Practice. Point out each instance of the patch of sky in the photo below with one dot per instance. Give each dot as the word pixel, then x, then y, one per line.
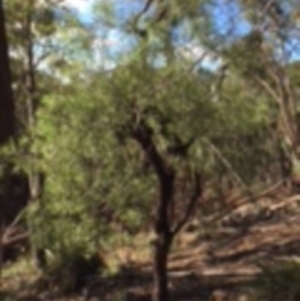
pixel 125 9
pixel 83 8
pixel 228 20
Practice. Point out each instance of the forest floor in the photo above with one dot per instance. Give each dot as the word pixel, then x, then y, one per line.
pixel 221 262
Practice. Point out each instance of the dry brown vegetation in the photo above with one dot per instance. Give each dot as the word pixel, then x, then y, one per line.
pixel 216 265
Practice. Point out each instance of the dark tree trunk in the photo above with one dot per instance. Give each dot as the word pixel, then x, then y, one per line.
pixel 163 240
pixel 6 100
pixel 160 271
pixel 6 95
pixel 164 235
pixel 6 110
pixel 37 184
pixel 164 228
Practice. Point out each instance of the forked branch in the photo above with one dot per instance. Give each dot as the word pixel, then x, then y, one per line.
pixel 197 192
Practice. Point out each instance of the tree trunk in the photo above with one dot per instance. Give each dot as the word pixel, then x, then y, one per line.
pixel 37 184
pixel 162 228
pixel 160 271
pixel 163 235
pixel 35 177
pixel 6 95
pixel 6 112
pixel 295 174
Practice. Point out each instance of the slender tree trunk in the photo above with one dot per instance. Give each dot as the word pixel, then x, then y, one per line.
pixel 163 241
pixel 35 177
pixel 165 229
pixel 163 235
pixel 295 173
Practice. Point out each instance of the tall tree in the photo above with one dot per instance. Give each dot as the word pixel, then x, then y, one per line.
pixel 7 108
pixel 6 95
pixel 31 31
pixel 273 41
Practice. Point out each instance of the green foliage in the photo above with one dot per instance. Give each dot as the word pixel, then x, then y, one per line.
pixel 278 281
pixel 21 267
pixel 246 56
pixel 90 177
pixel 97 176
pixel 244 116
pixel 99 182
pixel 73 270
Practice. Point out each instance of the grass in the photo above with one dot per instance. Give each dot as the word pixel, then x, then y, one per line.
pixel 278 281
pixel 19 268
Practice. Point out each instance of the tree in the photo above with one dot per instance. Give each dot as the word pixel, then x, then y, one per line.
pixel 33 31
pixel 155 154
pixel 7 114
pixel 7 120
pixel 143 132
pixel 264 56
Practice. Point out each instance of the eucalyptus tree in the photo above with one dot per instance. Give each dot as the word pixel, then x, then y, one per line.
pixel 264 57
pixel 35 32
pixel 170 112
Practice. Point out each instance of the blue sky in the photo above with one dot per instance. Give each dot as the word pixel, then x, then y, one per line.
pixel 114 39
pixel 84 7
pixel 223 12
pixel 228 19
pixel 226 15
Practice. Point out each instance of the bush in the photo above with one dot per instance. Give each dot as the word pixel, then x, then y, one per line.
pixel 73 271
pixel 278 281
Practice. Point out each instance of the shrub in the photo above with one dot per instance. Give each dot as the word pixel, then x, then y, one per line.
pixel 278 281
pixel 73 271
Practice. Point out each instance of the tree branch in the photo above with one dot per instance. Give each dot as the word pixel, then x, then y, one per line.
pixel 227 164
pixel 286 126
pixel 165 174
pixel 15 239
pixel 191 205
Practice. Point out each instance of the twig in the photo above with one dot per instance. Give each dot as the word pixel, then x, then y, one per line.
pixel 14 239
pixel 190 208
pixel 226 163
pixel 8 230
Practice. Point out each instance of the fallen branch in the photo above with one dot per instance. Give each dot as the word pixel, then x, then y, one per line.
pixel 246 200
pixel 286 202
pixel 15 239
pixel 11 229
